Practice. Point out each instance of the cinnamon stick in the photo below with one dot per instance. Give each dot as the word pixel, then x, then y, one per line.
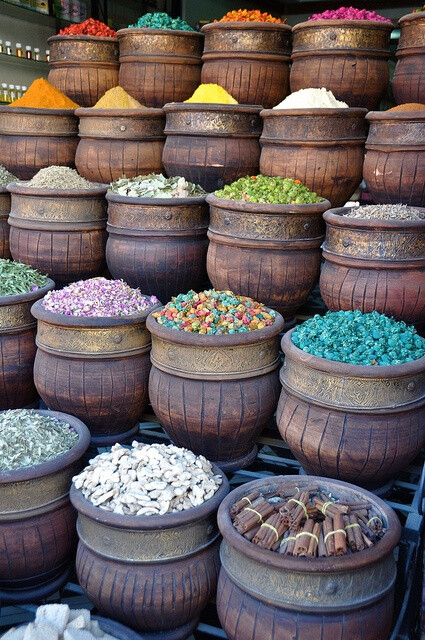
pixel 303 538
pixel 244 502
pixel 251 516
pixel 340 535
pixel 314 541
pixel 328 539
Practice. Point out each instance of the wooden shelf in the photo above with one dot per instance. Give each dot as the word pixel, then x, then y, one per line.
pixel 20 12
pixel 23 63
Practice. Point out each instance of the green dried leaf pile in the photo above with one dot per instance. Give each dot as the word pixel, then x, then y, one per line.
pixel 156 185
pixel 17 277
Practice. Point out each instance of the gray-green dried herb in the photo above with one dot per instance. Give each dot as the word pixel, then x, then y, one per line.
pixel 6 176
pixel 156 185
pixel 17 277
pixel 28 438
pixel 56 177
pixel 385 212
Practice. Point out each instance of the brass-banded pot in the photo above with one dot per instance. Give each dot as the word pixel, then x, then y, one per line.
pixel 17 343
pixel 224 389
pixel 4 227
pixel 114 142
pixel 158 244
pixel 37 521
pixel 408 84
pixel 269 252
pixel 374 265
pixel 83 67
pixel 313 597
pixel 61 232
pixel 348 57
pixel 31 139
pixel 94 368
pixel 166 563
pixel 357 423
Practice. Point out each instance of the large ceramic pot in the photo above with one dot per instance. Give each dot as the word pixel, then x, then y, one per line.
pixel 249 59
pixel 83 67
pixel 264 594
pixel 213 394
pixel 31 139
pixel 357 423
pixel 4 227
pixel 211 144
pixel 394 164
pixel 94 368
pixel 158 244
pixel 374 265
pixel 17 348
pixel 408 81
pixel 133 567
pixel 323 148
pixel 37 522
pixel 269 252
pixel 348 57
pixel 61 232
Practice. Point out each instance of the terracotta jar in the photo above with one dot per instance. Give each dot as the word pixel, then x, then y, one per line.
pixel 4 226
pixel 264 594
pixel 37 522
pixel 357 423
pixel 408 84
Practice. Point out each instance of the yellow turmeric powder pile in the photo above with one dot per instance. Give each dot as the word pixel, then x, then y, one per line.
pixel 43 95
pixel 117 98
pixel 212 93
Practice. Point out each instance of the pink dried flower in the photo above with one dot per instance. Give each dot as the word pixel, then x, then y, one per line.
pixel 348 13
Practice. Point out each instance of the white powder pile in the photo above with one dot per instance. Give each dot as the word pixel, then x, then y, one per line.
pixel 311 99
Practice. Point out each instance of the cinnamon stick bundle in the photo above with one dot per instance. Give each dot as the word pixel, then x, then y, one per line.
pixel 303 538
pixel 249 517
pixel 270 531
pixel 244 502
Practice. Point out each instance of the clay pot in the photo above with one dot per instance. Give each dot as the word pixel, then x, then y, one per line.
pixel 395 157
pixel 94 368
pixel 17 347
pixel 114 142
pixel 224 389
pixel 31 139
pixel 4 227
pixel 61 232
pixel 211 144
pixel 374 265
pixel 160 65
pixel 348 57
pixel 323 148
pixel 158 244
pixel 408 85
pixel 357 423
pixel 83 67
pixel 249 59
pixel 269 252
pixel 37 522
pixel 264 594
pixel 150 564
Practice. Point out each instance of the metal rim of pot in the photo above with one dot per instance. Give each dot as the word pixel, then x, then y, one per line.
pixel 268 208
pixel 227 109
pixel 315 112
pixel 362 24
pixel 396 115
pixel 160 202
pixel 409 17
pixel 157 32
pixel 139 113
pixel 337 216
pixel 29 111
pixel 70 37
pixel 242 26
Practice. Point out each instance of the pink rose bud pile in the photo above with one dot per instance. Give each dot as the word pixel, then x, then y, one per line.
pixel 348 13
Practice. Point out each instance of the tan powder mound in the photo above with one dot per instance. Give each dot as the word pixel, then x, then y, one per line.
pixel 409 106
pixel 118 98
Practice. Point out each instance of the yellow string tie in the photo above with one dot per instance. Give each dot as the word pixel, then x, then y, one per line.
pixel 374 518
pixel 270 526
pixel 325 506
pixel 285 540
pixel 307 533
pixel 350 526
pixel 247 499
pixel 301 505
pixel 254 511
pixel 331 533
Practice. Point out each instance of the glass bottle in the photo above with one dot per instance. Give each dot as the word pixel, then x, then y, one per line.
pixel 19 51
pixel 8 45
pixel 47 55
pixel 4 94
pixel 18 90
pixel 12 92
pixel 28 52
pixel 1 46
pixel 36 55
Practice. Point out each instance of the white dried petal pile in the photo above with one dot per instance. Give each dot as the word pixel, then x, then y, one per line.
pixel 147 480
pixel 59 622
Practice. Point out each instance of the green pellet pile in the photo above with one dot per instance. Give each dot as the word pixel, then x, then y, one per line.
pixel 17 277
pixel 6 176
pixel 354 337
pixel 268 190
pixel 161 20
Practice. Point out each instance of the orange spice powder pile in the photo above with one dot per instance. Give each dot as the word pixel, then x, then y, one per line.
pixel 43 95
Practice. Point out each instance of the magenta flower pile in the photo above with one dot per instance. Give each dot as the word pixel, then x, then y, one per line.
pixel 97 297
pixel 348 13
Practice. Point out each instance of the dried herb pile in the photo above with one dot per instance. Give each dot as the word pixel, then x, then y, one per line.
pixel 307 522
pixel 58 177
pixel 17 277
pixel 28 438
pixel 6 176
pixel 385 212
pixel 156 185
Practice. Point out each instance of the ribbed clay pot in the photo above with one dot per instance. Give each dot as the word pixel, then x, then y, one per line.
pixel 374 265
pixel 357 423
pixel 61 232
pixel 31 139
pixel 269 252
pixel 323 148
pixel 224 389
pixel 17 348
pixel 133 567
pixel 83 67
pixel 37 522
pixel 160 65
pixel 264 594
pixel 348 57
pixel 211 144
pixel 4 226
pixel 114 142
pixel 94 368
pixel 408 80
pixel 158 244
pixel 249 59
pixel 394 164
